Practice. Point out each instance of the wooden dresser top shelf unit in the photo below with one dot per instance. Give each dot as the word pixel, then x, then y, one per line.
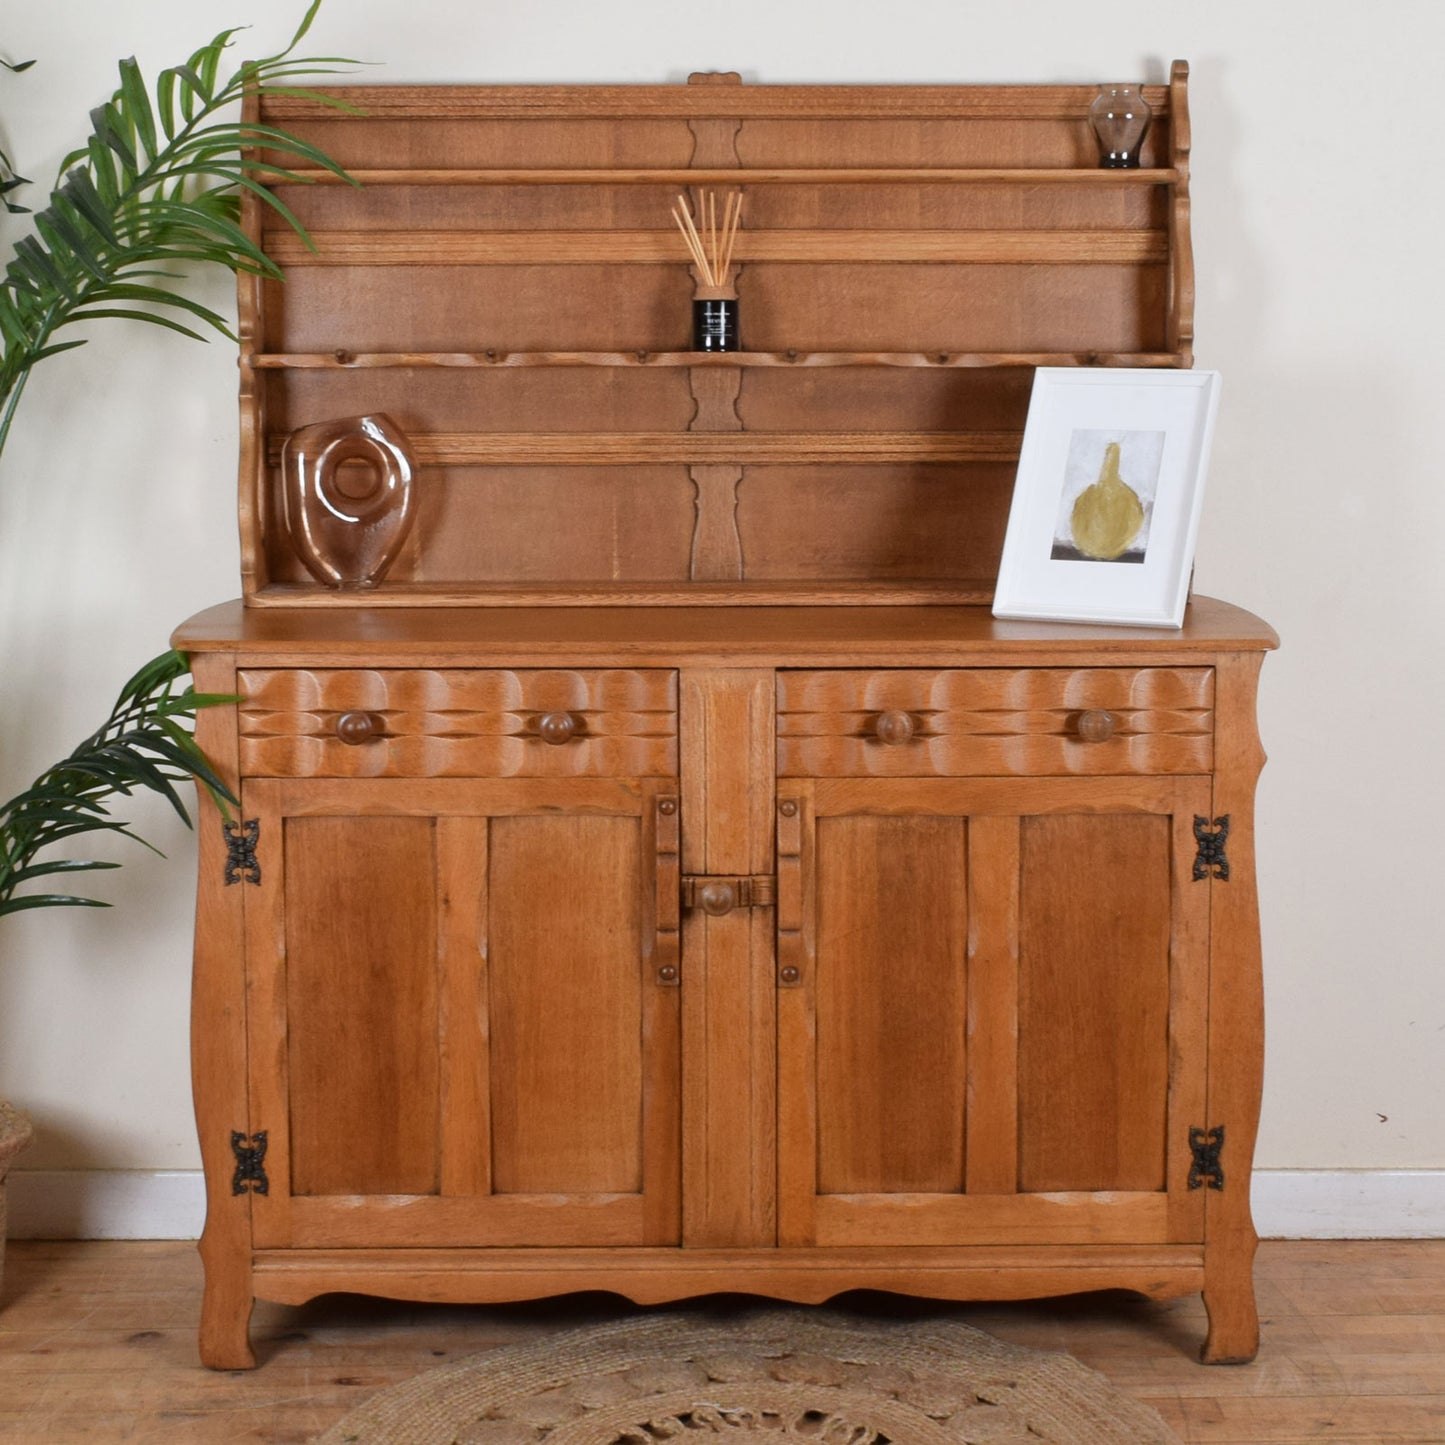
pixel 506 284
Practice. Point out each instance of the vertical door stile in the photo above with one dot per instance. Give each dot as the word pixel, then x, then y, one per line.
pixel 465 1132
pixel 1188 1009
pixel 729 1019
pixel 270 1090
pixel 797 1027
pixel 1235 1068
pixel 662 889
pixel 661 964
pixel 992 1142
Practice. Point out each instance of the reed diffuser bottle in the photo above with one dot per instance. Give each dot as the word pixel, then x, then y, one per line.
pixel 710 244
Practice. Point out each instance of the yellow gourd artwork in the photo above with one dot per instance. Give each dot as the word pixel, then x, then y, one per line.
pixel 1108 514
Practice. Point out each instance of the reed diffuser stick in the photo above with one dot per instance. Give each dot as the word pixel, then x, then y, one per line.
pixel 712 232
pixel 684 220
pixel 735 207
pixel 709 243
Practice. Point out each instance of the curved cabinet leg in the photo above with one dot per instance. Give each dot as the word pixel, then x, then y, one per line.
pixel 1233 1337
pixel 226 1304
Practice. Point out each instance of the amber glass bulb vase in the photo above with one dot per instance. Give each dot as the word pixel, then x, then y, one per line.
pixel 348 530
pixel 1120 118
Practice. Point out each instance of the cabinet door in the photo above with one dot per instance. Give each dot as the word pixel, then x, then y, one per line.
pixel 457 1030
pixel 991 1010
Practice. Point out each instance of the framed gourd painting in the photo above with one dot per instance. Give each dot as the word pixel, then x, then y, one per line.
pixel 1106 507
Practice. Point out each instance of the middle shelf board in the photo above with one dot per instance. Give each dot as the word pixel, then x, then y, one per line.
pixel 342 360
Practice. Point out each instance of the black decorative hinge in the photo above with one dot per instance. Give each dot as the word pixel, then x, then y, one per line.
pixel 250 1163
pixel 1205 1145
pixel 241 862
pixel 1210 861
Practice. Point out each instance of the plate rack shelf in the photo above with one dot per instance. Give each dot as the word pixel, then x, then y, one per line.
pixel 504 281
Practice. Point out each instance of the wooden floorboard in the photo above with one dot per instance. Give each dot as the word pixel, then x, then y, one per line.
pixel 97 1344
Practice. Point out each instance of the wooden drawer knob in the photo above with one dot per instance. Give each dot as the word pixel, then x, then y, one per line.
pixel 355 728
pixel 893 727
pixel 1096 725
pixel 557 728
pixel 717 899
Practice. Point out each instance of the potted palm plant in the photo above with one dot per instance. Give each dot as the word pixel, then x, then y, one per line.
pixel 153 191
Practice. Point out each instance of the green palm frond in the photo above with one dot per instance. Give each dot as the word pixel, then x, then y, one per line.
pixel 156 186
pixel 145 744
pixel 10 179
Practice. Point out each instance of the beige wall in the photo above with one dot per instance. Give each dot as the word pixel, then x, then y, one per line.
pixel 1318 213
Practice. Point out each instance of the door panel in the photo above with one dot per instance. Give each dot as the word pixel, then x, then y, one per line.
pixel 457 1033
pixel 361 1005
pixel 1094 1001
pixel 892 931
pixel 991 1018
pixel 565 1005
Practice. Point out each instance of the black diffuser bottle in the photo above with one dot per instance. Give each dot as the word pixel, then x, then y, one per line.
pixel 715 323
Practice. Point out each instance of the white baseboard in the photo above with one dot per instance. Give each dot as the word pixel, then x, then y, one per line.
pixel 171 1204
pixel 106 1203
pixel 1349 1203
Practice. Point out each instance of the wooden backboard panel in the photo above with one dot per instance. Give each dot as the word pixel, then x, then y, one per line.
pixel 507 284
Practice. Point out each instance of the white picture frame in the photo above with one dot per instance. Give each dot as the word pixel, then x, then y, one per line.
pixel 1068 516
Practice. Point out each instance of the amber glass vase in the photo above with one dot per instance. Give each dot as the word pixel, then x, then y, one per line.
pixel 347 528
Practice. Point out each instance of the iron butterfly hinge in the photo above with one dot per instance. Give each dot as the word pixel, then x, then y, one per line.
pixel 242 865
pixel 1205 1145
pixel 1210 860
pixel 250 1152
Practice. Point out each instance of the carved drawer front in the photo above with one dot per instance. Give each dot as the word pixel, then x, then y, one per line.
pixel 420 723
pixel 1038 721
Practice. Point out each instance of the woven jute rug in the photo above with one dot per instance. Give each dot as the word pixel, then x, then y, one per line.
pixel 830 1378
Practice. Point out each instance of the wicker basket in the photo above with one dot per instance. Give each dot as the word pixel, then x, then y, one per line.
pixel 15 1132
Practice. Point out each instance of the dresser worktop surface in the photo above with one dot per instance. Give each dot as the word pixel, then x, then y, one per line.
pixel 885 636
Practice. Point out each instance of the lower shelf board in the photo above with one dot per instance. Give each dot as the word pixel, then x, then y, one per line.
pixel 655 1276
pixel 901 593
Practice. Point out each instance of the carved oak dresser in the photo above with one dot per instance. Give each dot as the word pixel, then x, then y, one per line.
pixel 671 878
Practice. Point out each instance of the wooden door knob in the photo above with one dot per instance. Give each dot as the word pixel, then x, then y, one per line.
pixel 558 727
pixel 355 728
pixel 1096 725
pixel 717 898
pixel 893 727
